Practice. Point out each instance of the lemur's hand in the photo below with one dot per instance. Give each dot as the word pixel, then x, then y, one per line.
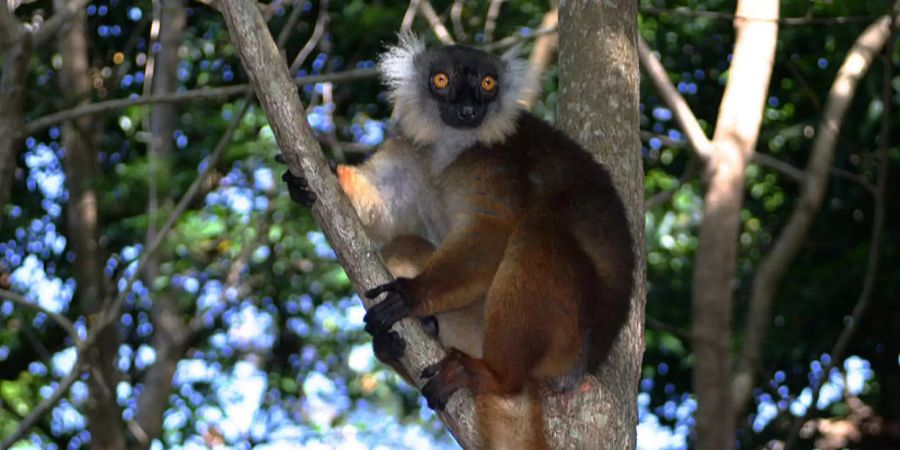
pixel 388 346
pixel 394 307
pixel 298 187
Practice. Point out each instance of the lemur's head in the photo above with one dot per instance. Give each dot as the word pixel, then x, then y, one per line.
pixel 454 88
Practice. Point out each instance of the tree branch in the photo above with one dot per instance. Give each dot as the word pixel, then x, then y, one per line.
pixel 278 97
pixel 733 144
pixel 544 52
pixel 61 18
pixel 683 114
pixel 60 319
pixel 864 302
pixel 196 94
pixel 409 16
pixel 10 28
pixel 319 30
pixel 43 407
pixel 490 22
pixel 735 17
pixel 434 20
pixel 787 245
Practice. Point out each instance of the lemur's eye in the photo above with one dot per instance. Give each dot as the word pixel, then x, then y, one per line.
pixel 488 83
pixel 440 80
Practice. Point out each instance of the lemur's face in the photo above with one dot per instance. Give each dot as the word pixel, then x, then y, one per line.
pixel 455 92
pixel 462 81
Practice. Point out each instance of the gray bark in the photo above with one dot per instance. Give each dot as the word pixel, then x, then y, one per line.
pixel 598 88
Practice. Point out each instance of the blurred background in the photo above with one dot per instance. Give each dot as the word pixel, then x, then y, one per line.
pixel 241 330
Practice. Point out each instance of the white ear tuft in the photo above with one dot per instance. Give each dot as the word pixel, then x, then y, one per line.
pixel 396 65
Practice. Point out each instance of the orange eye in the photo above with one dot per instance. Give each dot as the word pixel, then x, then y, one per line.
pixel 440 80
pixel 488 83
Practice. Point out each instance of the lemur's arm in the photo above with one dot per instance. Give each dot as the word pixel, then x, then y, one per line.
pixel 385 191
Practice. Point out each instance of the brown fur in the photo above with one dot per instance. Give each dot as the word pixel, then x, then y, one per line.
pixel 536 239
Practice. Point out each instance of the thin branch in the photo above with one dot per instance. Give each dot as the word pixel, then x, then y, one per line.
pixel 409 16
pixel 196 94
pixel 60 319
pixel 43 407
pixel 670 95
pixel 435 21
pixel 864 302
pixel 53 25
pixel 456 19
pixel 661 197
pixel 854 177
pixel 319 30
pixel 514 39
pixel 793 21
pixel 659 325
pixel 796 175
pixel 543 54
pixel 787 245
pixel 490 22
pixel 289 25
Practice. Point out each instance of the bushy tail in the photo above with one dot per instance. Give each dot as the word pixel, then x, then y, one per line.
pixel 511 422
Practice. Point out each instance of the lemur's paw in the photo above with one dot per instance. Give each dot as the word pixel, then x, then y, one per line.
pixel 388 347
pixel 299 189
pixel 384 314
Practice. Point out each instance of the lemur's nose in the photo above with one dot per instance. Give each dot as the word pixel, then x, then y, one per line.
pixel 466 112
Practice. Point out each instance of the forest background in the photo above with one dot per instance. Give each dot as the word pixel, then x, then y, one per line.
pixel 242 330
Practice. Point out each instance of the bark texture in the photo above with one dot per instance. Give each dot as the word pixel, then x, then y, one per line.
pixel 80 139
pixel 598 86
pixel 12 99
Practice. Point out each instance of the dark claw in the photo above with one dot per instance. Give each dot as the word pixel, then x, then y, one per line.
pixel 388 347
pixel 431 370
pixel 382 316
pixel 394 307
pixel 392 286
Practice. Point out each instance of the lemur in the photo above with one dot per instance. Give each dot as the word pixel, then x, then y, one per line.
pixel 515 239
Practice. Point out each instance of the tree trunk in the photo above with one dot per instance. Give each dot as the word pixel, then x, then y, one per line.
pixel 80 139
pixel 170 333
pixel 12 104
pixel 737 129
pixel 598 87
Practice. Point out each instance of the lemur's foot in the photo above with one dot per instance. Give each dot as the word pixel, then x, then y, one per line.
pixel 447 376
pixel 394 307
